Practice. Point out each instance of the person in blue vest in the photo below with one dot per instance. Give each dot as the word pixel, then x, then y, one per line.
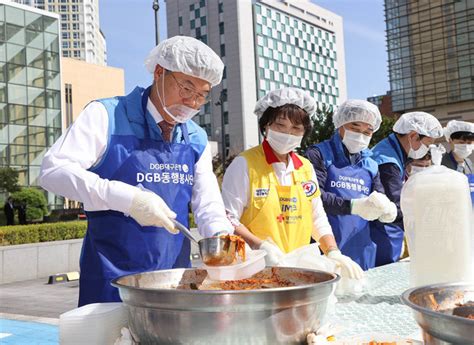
pixel 460 136
pixel 138 161
pixel 348 177
pixel 412 135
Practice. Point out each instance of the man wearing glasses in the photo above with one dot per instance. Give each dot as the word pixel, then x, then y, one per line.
pixel 137 162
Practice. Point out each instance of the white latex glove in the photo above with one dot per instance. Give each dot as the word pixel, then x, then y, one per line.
pixel 369 208
pixel 149 209
pixel 389 209
pixel 274 254
pixel 390 213
pixel 349 268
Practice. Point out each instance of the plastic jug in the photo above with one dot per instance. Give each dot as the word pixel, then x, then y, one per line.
pixel 97 323
pixel 437 215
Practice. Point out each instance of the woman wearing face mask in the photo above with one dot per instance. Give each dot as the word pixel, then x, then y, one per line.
pixel 460 136
pixel 414 166
pixel 271 193
pixel 351 189
pixel 413 134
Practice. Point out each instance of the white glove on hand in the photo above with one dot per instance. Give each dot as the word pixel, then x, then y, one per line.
pixel 364 208
pixel 390 213
pixel 148 209
pixel 349 268
pixel 389 209
pixel 274 254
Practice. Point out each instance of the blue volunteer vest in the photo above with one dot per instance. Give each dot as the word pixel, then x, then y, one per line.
pixel 388 236
pixel 349 181
pixel 115 244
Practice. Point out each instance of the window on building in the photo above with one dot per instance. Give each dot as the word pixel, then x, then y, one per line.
pixel 226 117
pixel 68 93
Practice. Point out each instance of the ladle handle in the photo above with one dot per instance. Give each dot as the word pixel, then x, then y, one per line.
pixel 184 230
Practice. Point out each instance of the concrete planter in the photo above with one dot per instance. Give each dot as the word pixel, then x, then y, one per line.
pixel 38 260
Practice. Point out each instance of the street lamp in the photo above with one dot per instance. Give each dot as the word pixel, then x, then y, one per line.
pixel 156 8
pixel 220 102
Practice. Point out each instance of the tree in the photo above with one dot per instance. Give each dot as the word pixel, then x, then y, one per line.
pixel 217 167
pixel 323 128
pixel 35 201
pixel 384 130
pixel 9 180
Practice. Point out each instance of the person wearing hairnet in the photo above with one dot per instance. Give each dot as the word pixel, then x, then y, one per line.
pixel 137 162
pixel 351 190
pixel 271 194
pixel 460 136
pixel 412 135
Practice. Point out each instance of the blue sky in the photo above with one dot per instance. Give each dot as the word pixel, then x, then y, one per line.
pixel 129 30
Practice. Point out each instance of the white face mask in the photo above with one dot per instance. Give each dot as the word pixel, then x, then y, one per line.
pixel 178 112
pixel 355 142
pixel 283 143
pixel 420 153
pixel 463 150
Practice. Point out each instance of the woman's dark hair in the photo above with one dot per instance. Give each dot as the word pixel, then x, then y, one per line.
pixel 462 136
pixel 295 114
pixel 426 157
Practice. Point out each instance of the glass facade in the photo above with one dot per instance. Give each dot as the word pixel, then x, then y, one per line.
pixel 430 51
pixel 292 52
pixel 30 90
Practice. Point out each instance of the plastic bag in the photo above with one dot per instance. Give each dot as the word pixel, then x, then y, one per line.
pixel 310 257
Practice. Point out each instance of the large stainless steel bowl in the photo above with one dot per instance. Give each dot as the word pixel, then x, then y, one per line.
pixel 159 313
pixel 433 306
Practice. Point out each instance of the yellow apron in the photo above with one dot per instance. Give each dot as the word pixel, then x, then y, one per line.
pixel 283 213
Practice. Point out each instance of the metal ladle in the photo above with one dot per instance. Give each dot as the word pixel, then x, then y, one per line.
pixel 215 251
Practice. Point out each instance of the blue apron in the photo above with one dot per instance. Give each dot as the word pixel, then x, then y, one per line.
pixel 349 181
pixel 115 244
pixel 388 236
pixel 470 177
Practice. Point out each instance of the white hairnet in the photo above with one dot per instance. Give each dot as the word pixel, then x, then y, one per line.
pixel 420 122
pixel 287 95
pixel 454 126
pixel 186 55
pixel 357 110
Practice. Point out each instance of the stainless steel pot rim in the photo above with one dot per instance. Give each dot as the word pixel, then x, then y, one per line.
pixel 406 300
pixel 335 278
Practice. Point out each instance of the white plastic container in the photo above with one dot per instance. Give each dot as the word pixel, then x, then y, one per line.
pixel 97 323
pixel 254 263
pixel 436 210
